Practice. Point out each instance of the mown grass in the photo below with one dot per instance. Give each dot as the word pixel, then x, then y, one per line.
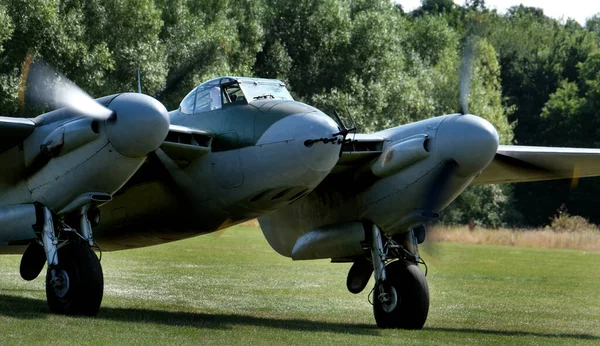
pixel 235 290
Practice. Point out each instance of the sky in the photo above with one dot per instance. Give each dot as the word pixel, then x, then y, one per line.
pixel 576 9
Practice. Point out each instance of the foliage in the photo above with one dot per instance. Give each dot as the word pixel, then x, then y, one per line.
pixel 537 80
pixel 482 205
pixel 206 39
pixel 564 222
pixel 7 27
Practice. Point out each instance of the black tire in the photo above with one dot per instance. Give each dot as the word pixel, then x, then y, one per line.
pixel 82 271
pixel 412 293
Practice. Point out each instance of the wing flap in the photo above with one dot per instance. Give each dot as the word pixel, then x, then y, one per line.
pixel 523 163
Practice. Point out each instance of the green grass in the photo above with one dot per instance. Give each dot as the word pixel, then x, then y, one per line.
pixel 236 290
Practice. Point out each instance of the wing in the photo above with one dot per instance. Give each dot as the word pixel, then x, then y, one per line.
pixel 510 165
pixel 13 131
pixel 523 163
pixel 159 186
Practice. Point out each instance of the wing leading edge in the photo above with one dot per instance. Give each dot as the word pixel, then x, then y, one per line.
pixel 524 163
pixel 13 131
pixel 511 164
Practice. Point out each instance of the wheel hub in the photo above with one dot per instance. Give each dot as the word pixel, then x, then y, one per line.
pixel 388 298
pixel 60 282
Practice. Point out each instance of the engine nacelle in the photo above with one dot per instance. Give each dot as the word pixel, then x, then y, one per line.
pixel 16 223
pixel 400 155
pixel 70 136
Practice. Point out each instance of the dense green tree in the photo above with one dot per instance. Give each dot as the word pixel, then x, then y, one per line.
pixel 539 60
pixel 482 205
pixel 6 27
pixel 571 117
pixel 593 24
pixel 534 78
pixel 314 34
pixel 207 39
pixel 81 40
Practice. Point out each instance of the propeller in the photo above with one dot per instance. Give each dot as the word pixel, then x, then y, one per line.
pixel 46 86
pixel 142 123
pixel 431 206
pixel 466 72
pixel 436 190
pixel 439 186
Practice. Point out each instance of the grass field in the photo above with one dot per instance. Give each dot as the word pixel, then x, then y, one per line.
pixel 235 290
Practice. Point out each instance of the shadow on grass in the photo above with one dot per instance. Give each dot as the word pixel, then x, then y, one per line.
pixel 475 331
pixel 29 308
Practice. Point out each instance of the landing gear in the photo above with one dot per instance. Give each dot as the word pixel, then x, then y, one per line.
pixel 74 280
pixel 401 295
pixel 408 303
pixel 75 286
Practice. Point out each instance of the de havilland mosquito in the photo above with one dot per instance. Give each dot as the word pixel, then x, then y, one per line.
pixel 122 172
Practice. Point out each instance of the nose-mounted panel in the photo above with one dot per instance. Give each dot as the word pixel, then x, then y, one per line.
pixel 311 139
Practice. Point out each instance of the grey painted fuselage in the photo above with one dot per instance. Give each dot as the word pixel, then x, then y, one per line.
pixel 280 181
pixel 169 201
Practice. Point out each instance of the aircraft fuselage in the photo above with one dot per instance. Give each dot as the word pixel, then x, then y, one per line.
pixel 258 163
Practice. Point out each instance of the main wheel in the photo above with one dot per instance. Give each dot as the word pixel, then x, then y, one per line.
pixel 407 305
pixel 75 286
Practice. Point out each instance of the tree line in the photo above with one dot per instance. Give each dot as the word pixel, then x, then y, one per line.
pixel 535 78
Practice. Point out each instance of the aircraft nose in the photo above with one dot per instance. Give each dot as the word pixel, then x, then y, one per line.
pixel 318 147
pixel 468 140
pixel 309 137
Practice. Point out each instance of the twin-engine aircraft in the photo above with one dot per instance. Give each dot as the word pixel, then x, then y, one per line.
pixel 122 172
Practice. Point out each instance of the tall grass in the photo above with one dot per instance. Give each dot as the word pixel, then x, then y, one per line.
pixel 534 238
pixel 565 232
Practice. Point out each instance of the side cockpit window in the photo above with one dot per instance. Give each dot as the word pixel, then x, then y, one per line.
pixel 208 99
pixel 232 93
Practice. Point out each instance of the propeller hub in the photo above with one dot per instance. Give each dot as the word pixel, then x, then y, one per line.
pixel 138 126
pixel 468 140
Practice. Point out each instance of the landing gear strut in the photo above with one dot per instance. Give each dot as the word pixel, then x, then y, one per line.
pixel 74 280
pixel 401 295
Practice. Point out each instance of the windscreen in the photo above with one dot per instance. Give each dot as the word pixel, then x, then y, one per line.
pixel 260 90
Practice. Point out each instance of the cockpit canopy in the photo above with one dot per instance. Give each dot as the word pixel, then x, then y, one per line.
pixel 223 91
